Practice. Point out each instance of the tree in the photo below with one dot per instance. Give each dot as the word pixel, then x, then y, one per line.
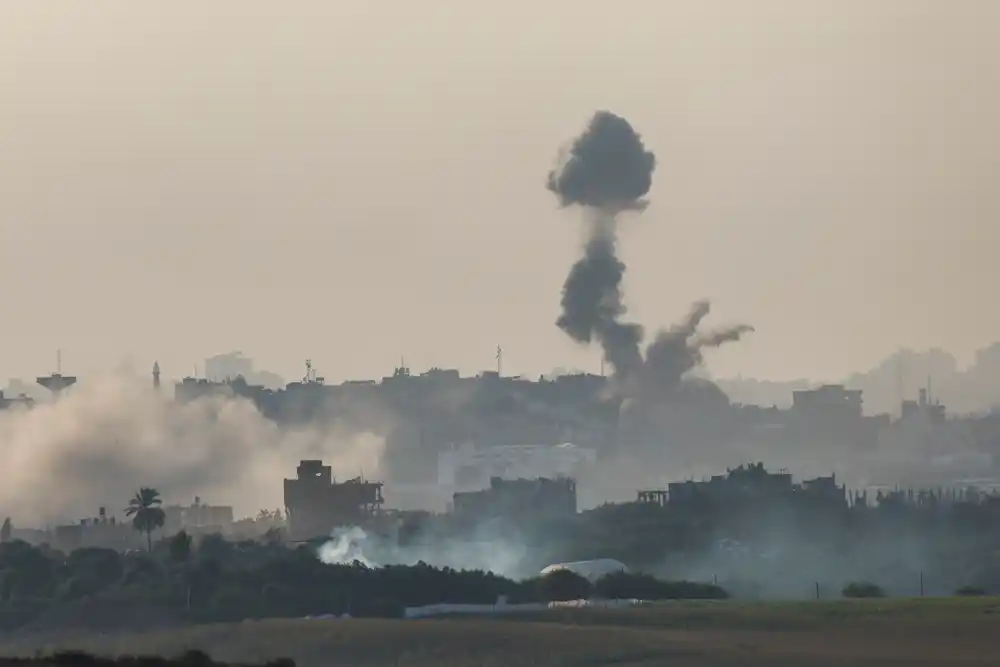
pixel 146 513
pixel 562 585
pixel 862 589
pixel 180 547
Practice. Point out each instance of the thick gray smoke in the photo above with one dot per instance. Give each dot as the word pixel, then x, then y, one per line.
pixel 676 351
pixel 607 170
pixel 106 438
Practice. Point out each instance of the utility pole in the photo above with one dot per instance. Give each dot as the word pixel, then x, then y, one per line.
pixel 499 361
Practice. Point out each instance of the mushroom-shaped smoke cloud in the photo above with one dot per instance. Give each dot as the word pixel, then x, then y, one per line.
pixel 608 170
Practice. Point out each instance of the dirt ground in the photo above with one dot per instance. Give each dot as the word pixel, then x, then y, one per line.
pixel 901 632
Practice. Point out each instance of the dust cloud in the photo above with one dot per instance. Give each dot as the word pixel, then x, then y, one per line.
pixel 104 439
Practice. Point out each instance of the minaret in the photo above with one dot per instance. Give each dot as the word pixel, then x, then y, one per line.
pixel 156 375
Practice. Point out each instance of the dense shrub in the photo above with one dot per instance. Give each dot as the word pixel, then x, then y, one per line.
pixel 179 547
pixel 862 589
pixel 620 585
pixel 79 659
pixel 563 585
pixel 221 581
pixel 970 591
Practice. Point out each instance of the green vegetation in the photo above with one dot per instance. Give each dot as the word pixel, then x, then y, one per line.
pixel 146 513
pixel 913 632
pixel 81 659
pixel 862 589
pixel 180 582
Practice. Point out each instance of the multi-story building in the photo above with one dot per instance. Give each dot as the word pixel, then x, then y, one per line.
pixel 315 503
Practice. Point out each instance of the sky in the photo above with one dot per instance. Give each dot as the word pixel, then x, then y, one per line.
pixel 355 182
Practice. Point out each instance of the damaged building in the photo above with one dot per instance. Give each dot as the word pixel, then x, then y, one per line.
pixel 315 503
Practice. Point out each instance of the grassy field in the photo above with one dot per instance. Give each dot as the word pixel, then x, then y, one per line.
pixel 950 632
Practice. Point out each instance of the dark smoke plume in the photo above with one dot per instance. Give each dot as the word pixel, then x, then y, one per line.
pixel 606 170
pixel 676 351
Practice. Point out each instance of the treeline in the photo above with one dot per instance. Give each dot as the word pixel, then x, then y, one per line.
pixel 225 581
pixel 78 659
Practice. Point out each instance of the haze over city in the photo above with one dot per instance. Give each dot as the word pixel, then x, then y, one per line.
pixel 657 332
pixel 355 183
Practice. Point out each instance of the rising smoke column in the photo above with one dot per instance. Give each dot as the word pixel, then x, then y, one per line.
pixel 677 350
pixel 606 171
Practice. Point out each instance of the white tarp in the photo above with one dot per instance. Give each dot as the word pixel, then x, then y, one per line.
pixel 590 569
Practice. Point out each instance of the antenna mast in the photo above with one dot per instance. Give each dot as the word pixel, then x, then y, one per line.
pixel 899 382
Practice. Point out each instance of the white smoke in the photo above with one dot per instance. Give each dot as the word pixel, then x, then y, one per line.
pixel 103 440
pixel 482 550
pixel 346 545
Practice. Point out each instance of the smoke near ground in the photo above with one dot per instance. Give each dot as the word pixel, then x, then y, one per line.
pixel 482 549
pixel 106 438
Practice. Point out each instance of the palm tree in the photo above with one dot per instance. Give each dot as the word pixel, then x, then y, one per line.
pixel 146 513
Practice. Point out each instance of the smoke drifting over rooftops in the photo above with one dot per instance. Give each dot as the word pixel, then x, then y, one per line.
pixel 109 436
pixel 680 349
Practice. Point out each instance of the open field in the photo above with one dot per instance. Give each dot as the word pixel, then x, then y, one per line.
pixel 865 632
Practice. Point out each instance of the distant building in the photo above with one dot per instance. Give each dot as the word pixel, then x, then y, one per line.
pixel 19 401
pixel 828 401
pixel 468 466
pixel 518 499
pixel 315 503
pixel 934 412
pixel 746 484
pixel 190 389
pixel 197 518
pixel 228 366
pixel 100 531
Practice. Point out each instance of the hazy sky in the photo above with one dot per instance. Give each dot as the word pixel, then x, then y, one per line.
pixel 355 181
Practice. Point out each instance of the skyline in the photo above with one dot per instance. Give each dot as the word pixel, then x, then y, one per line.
pixel 141 366
pixel 334 184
